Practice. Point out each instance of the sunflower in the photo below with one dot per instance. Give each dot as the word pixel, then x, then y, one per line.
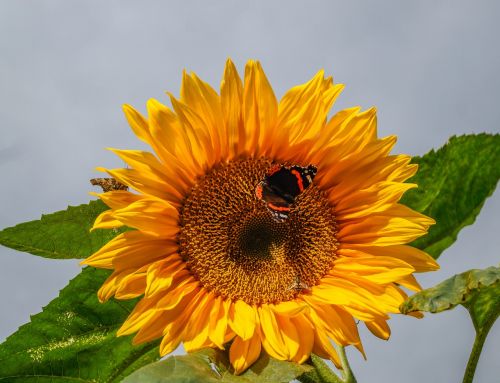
pixel 213 266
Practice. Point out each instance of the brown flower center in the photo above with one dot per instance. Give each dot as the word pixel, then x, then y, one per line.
pixel 235 248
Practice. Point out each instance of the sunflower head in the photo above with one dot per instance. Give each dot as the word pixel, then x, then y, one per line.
pixel 258 223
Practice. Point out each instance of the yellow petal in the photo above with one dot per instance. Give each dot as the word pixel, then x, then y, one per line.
pixel 290 336
pixel 118 199
pixel 138 123
pixel 138 318
pixel 231 94
pixel 396 225
pixel 147 164
pixel 175 331
pixel 206 104
pixel 175 144
pixel 374 199
pixel 323 348
pixel 306 338
pixel 150 216
pixel 418 259
pixel 153 329
pixel 218 322
pixel 197 131
pixel 410 283
pixel 375 269
pixel 356 300
pixel 242 319
pixel 379 328
pixel 161 274
pixel 177 294
pixel 243 353
pixel 260 108
pixel 197 326
pixel 131 249
pixel 132 285
pixel 271 335
pixel 144 183
pixel 337 323
pixel 289 308
pixel 340 166
pixel 106 220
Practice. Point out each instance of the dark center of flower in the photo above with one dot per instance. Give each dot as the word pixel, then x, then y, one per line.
pixel 235 248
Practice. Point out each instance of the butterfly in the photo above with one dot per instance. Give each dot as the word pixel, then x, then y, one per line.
pixel 108 184
pixel 281 185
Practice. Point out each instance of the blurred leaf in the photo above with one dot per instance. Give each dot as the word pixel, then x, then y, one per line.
pixel 212 366
pixel 453 183
pixel 62 235
pixel 74 339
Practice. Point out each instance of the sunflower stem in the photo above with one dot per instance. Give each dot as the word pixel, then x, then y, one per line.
pixel 346 368
pixel 481 334
pixel 323 371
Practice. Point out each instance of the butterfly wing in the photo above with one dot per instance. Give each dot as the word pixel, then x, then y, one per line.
pixel 284 183
pixel 281 186
pixel 275 203
pixel 303 175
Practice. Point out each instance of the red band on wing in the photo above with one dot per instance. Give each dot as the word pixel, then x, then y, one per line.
pixel 299 179
pixel 278 208
pixel 258 191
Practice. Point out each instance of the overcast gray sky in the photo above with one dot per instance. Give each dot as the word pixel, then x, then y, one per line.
pixel 430 67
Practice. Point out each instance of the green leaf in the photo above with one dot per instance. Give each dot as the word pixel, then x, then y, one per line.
pixel 62 235
pixel 212 366
pixel 476 290
pixel 453 184
pixel 74 339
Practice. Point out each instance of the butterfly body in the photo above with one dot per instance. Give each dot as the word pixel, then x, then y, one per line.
pixel 281 186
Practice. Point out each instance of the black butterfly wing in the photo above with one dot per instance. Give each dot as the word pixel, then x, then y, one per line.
pixel 278 206
pixel 284 183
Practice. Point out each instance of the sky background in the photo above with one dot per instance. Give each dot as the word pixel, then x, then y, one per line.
pixel 66 67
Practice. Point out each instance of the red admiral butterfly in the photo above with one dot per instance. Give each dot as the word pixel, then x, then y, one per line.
pixel 281 186
pixel 108 184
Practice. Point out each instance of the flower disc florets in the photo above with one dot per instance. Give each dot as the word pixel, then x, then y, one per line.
pixel 235 248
